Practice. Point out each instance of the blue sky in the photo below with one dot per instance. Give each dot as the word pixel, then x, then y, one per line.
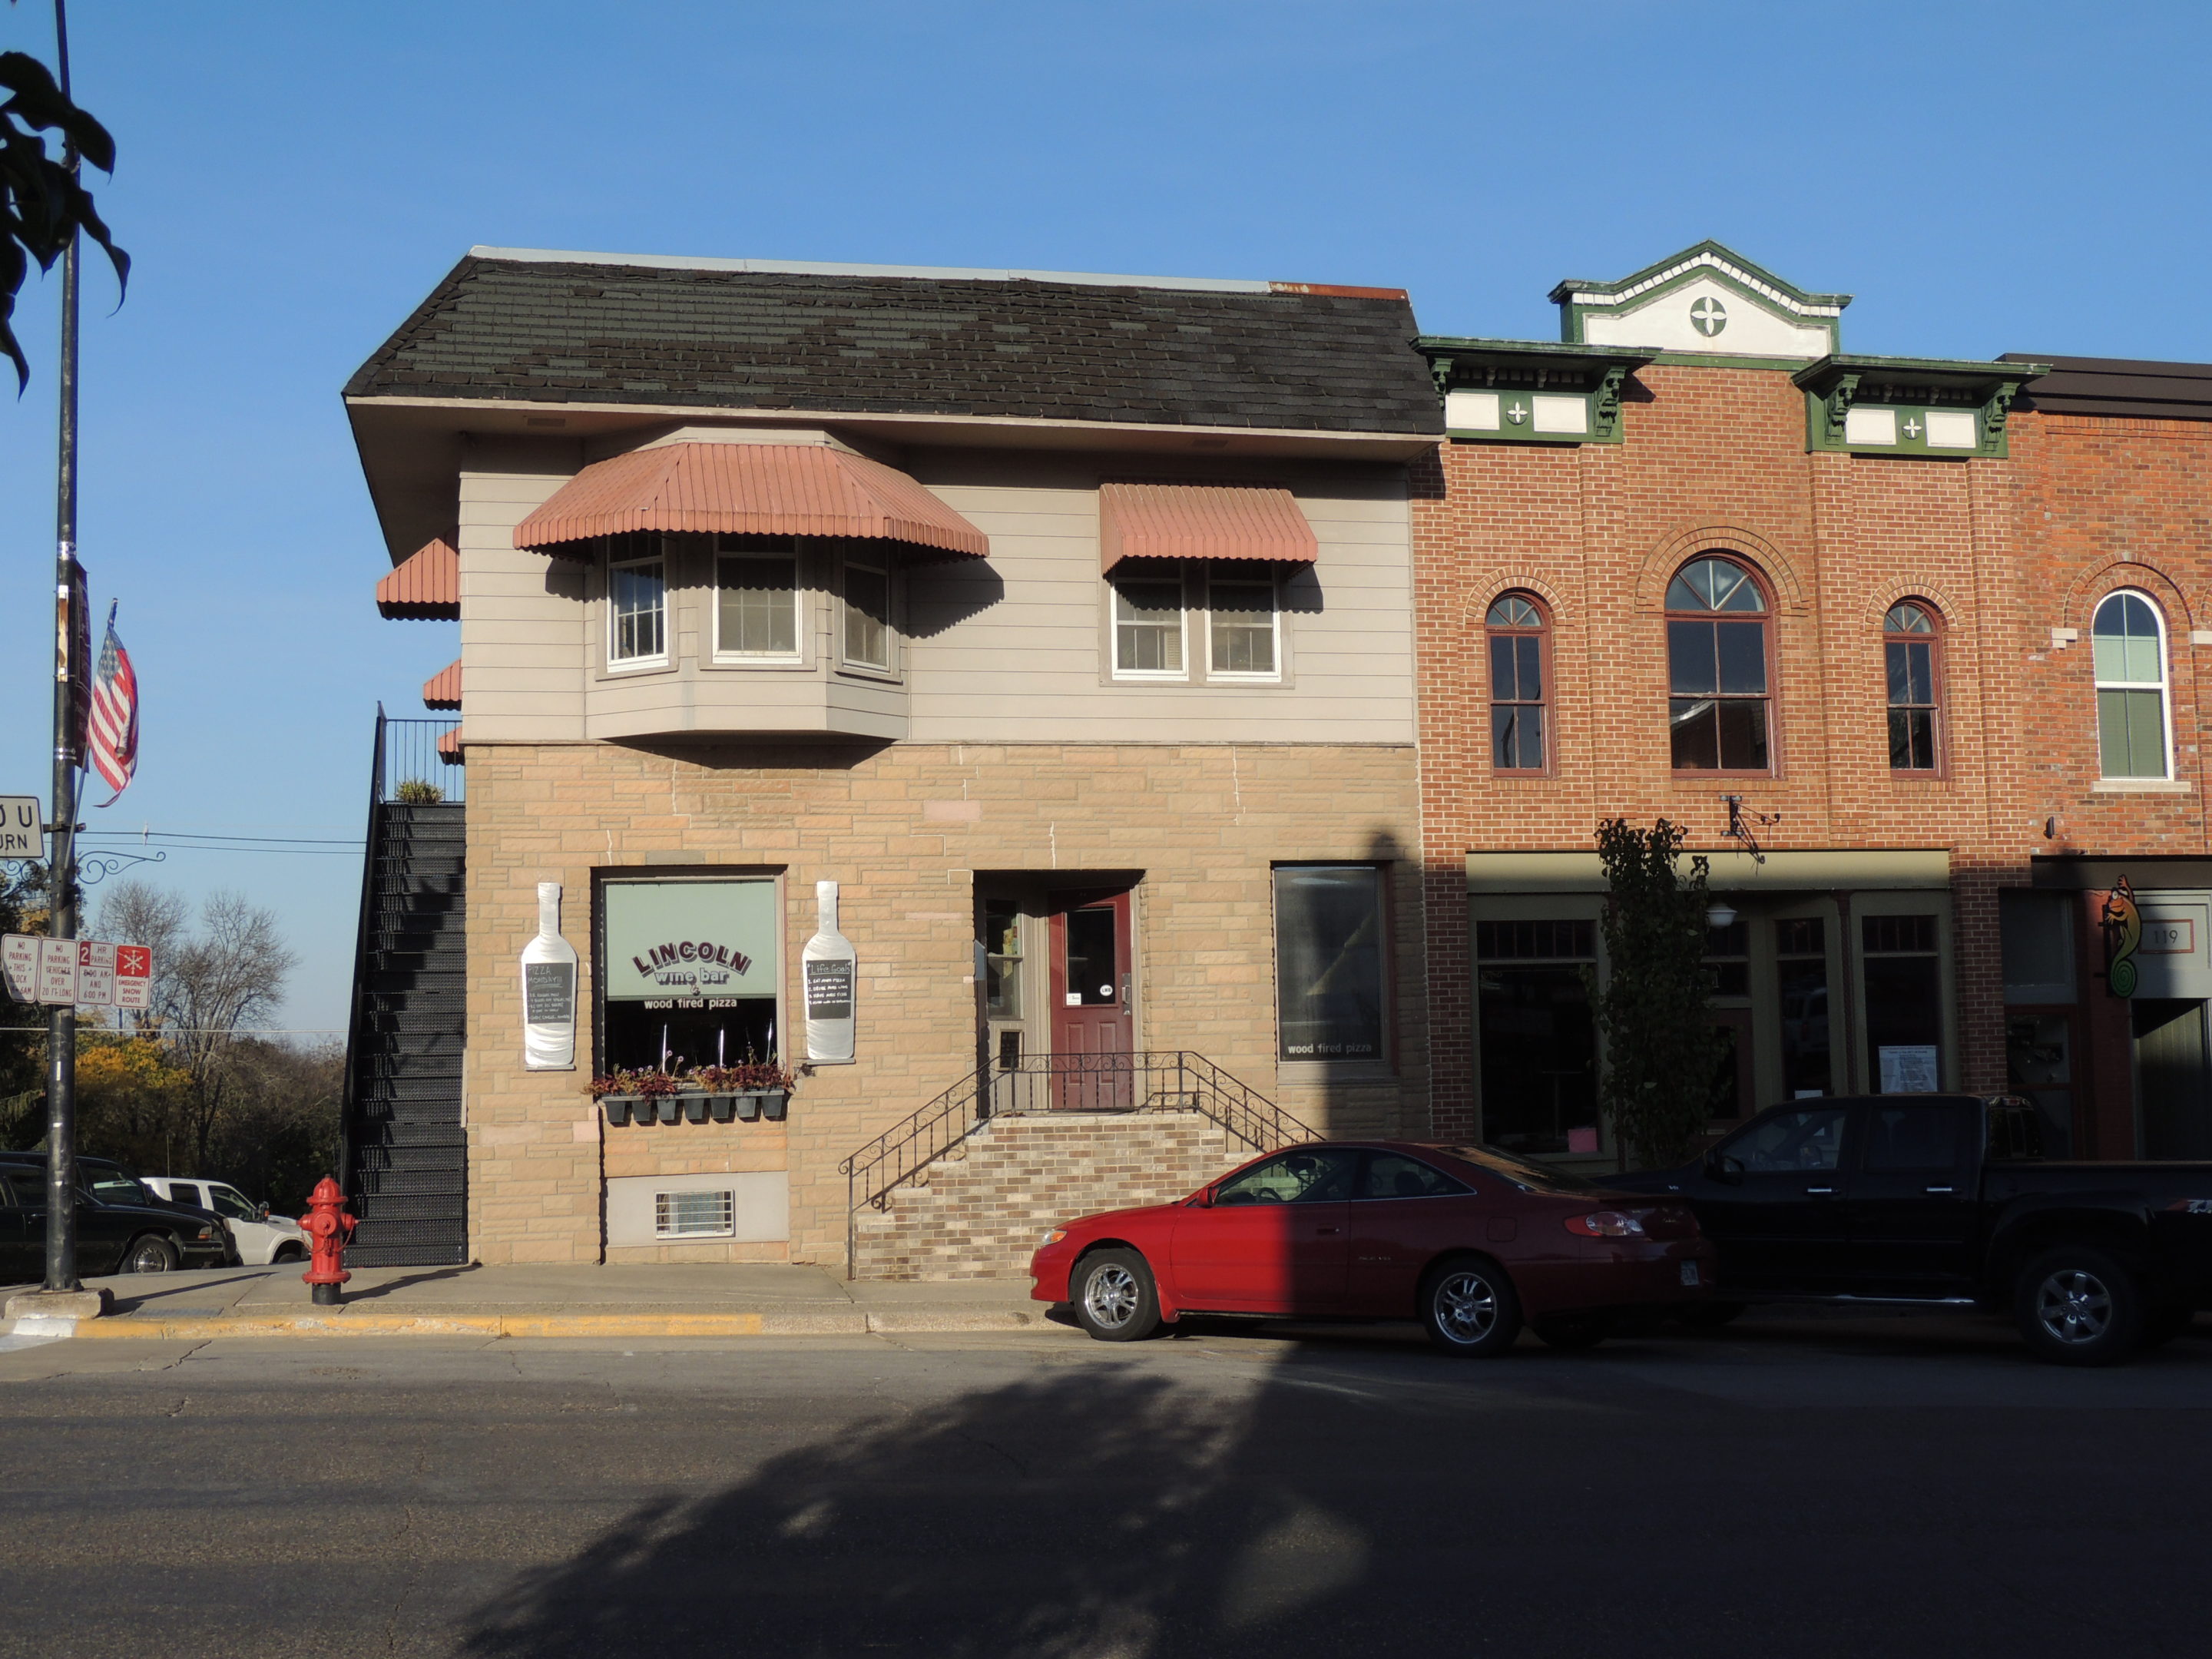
pixel 293 178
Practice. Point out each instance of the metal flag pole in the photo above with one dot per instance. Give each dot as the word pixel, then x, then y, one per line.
pixel 69 597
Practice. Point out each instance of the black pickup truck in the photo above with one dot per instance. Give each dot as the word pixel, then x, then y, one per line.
pixel 1945 1200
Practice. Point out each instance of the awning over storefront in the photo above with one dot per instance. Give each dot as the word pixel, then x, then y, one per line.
pixel 426 586
pixel 443 689
pixel 1817 870
pixel 746 490
pixel 1201 521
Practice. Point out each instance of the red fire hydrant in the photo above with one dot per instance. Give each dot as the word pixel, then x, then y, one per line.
pixel 331 1229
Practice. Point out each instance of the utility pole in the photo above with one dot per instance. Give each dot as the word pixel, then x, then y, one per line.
pixel 69 625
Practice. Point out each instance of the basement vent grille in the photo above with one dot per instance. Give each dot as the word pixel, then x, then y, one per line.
pixel 695 1215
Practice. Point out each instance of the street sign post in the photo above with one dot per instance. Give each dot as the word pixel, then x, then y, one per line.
pixel 134 976
pixel 84 973
pixel 19 963
pixel 95 973
pixel 22 827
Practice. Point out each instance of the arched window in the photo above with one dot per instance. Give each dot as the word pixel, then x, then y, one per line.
pixel 1908 646
pixel 1717 651
pixel 1516 684
pixel 2131 667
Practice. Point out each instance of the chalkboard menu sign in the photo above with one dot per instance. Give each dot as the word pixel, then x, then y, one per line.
pixel 829 989
pixel 549 992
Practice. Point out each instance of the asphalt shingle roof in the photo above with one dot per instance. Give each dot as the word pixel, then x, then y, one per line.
pixel 549 332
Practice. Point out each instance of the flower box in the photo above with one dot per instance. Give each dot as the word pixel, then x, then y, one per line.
pixel 618 1107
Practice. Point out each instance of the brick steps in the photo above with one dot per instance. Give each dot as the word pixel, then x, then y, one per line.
pixel 978 1212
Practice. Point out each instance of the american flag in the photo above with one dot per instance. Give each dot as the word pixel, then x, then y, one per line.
pixel 112 730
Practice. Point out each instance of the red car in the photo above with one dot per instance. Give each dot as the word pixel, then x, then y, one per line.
pixel 1471 1241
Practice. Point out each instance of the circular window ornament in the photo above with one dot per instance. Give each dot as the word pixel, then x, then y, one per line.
pixel 1708 316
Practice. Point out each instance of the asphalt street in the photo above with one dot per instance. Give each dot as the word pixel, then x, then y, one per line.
pixel 1793 1486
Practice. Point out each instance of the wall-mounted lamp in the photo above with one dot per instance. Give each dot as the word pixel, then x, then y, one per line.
pixel 1720 914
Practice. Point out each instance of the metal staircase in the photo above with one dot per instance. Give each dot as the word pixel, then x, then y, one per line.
pixel 404 1153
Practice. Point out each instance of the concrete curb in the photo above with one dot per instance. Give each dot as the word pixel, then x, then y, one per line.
pixel 343 1322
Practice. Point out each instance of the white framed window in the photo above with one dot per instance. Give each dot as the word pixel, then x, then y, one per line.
pixel 2134 722
pixel 1148 627
pixel 867 605
pixel 637 610
pixel 710 1214
pixel 757 605
pixel 1243 625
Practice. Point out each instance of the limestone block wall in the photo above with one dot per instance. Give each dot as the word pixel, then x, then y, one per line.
pixel 979 1212
pixel 904 828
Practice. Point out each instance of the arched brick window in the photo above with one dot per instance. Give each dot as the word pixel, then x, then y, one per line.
pixel 1909 645
pixel 2129 649
pixel 1519 670
pixel 1719 676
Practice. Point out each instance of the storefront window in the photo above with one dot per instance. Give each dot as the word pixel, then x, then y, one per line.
pixel 1800 974
pixel 1539 1037
pixel 1903 1003
pixel 689 972
pixel 1328 961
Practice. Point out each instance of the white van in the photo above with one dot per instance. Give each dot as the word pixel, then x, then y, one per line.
pixel 261 1238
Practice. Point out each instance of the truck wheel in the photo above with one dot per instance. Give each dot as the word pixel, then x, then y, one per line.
pixel 2078 1306
pixel 1116 1300
pixel 1470 1308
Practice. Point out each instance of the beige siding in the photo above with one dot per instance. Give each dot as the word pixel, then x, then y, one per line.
pixel 1013 648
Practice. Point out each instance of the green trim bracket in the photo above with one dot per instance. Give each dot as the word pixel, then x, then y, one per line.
pixel 1932 408
pixel 1528 391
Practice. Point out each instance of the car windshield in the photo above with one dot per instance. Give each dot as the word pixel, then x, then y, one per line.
pixel 1529 1177
pixel 228 1203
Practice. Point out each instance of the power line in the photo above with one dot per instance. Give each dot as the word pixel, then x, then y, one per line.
pixel 188 835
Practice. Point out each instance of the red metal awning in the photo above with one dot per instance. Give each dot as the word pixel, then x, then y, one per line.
pixel 1201 521
pixel 443 689
pixel 449 747
pixel 746 490
pixel 425 585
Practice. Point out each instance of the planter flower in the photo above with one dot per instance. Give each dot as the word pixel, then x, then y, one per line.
pixel 752 1090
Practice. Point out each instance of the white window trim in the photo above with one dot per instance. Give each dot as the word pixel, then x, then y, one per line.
pixel 1273 578
pixel 763 658
pixel 617 665
pixel 2164 681
pixel 1149 676
pixel 881 565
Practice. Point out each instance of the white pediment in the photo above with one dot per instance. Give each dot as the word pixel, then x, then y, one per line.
pixel 1705 300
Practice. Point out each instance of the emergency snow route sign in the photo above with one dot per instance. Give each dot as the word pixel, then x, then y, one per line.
pixel 134 975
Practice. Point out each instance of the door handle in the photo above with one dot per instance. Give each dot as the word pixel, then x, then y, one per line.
pixel 1322 1231
pixel 1938 1189
pixel 1829 1190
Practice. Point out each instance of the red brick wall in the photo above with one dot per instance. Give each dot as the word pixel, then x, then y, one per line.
pixel 1716 458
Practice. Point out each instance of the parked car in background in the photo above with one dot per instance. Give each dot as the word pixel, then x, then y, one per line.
pixel 260 1237
pixel 122 1227
pixel 1471 1241
pixel 1945 1201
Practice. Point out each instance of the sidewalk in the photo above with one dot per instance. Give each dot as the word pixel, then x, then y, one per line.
pixel 750 1299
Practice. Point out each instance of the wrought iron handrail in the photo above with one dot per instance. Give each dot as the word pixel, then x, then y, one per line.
pixel 348 1098
pixel 1167 1080
pixel 415 765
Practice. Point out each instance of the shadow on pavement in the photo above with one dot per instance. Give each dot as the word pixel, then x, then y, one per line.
pixel 406 1282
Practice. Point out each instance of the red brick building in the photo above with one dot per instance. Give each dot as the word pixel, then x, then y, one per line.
pixel 1695 560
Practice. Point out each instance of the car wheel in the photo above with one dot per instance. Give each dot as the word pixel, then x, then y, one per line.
pixel 1116 1300
pixel 2078 1306
pixel 151 1253
pixel 1574 1330
pixel 1709 1315
pixel 1470 1308
pixel 288 1253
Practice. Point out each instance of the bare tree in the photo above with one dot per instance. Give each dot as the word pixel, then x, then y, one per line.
pixel 211 988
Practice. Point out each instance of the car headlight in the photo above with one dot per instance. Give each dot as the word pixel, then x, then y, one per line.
pixel 207 1232
pixel 1053 1235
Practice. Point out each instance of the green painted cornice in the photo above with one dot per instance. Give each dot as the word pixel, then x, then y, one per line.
pixel 1950 374
pixel 1596 373
pixel 1835 384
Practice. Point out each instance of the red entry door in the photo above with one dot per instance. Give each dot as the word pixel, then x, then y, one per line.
pixel 1092 976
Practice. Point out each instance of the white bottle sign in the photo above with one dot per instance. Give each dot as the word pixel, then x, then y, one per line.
pixel 549 990
pixel 829 968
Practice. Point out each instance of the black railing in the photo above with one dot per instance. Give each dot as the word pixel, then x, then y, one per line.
pixel 418 763
pixel 350 1096
pixel 1174 1080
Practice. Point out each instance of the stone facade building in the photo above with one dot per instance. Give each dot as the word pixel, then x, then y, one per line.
pixel 1062 623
